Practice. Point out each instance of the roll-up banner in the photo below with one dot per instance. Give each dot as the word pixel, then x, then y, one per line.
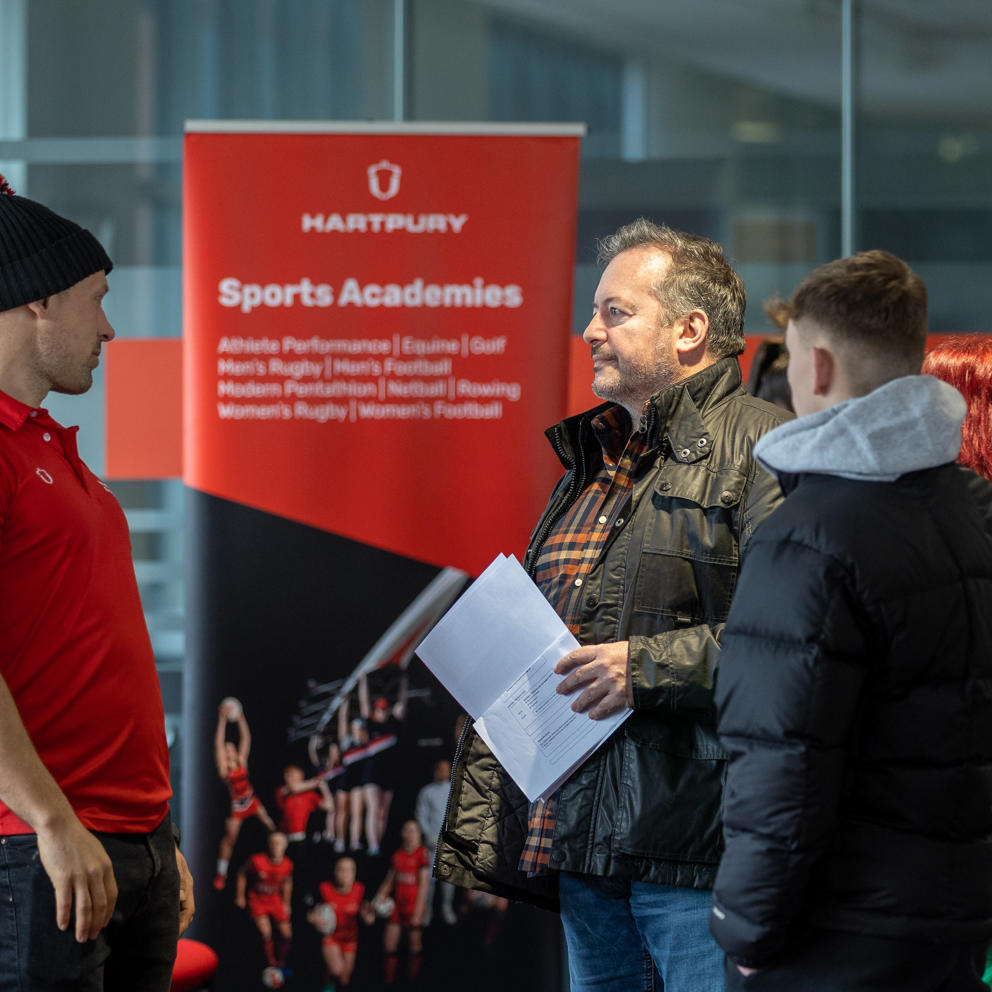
pixel 377 324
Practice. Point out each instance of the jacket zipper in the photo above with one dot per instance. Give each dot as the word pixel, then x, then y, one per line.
pixel 578 471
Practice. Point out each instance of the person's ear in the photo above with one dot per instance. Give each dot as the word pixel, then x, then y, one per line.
pixel 39 308
pixel 693 329
pixel 824 366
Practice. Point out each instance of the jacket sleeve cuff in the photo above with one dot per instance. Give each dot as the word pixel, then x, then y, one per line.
pixel 675 669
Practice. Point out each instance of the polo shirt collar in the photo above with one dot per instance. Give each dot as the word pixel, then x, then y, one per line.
pixel 14 413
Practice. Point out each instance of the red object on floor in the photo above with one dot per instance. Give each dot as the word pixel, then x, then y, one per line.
pixel 195 966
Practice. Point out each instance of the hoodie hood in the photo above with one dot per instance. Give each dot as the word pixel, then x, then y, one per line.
pixel 908 424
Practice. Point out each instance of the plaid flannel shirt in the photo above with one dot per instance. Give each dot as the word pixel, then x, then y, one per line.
pixel 566 559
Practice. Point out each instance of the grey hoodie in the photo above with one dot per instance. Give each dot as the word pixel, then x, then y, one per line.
pixel 906 425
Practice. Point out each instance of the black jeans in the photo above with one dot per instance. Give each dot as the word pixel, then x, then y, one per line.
pixel 135 951
pixel 832 961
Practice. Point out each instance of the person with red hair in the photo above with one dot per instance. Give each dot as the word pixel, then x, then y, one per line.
pixel 966 363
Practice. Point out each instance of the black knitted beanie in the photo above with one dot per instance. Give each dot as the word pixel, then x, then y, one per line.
pixel 41 253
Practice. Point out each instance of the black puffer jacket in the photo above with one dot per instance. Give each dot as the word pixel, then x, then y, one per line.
pixel 647 804
pixel 855 691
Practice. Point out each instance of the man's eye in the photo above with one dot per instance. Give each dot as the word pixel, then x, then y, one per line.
pixel 615 311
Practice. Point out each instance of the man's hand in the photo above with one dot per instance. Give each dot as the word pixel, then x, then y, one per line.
pixel 602 671
pixel 82 876
pixel 186 903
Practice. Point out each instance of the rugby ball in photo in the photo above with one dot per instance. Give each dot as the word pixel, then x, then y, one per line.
pixel 324 918
pixel 273 978
pixel 231 708
pixel 384 907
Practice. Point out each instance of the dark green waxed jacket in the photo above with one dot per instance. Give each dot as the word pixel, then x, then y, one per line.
pixel 646 805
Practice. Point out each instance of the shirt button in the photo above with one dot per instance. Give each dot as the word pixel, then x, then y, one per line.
pixel 46 436
pixel 578 582
pixel 33 413
pixel 602 520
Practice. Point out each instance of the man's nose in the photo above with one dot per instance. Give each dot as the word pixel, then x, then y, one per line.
pixel 595 332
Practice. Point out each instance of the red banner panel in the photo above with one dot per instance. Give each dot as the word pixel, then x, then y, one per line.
pixel 376 333
pixel 376 330
pixel 144 407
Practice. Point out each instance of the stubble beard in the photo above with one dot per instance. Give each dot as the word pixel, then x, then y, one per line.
pixel 64 371
pixel 633 383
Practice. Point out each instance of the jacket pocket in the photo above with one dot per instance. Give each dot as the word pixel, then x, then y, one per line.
pixel 671 791
pixel 688 556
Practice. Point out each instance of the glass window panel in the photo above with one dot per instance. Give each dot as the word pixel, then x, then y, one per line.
pixel 924 146
pixel 718 118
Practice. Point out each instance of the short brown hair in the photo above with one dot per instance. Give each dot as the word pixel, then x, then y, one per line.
pixel 873 305
pixel 700 278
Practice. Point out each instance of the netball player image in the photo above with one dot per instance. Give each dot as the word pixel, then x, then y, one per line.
pixel 232 767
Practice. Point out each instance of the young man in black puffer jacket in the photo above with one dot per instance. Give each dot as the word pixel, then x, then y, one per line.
pixel 854 692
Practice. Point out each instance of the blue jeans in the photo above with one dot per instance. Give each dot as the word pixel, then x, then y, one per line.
pixel 135 951
pixel 628 936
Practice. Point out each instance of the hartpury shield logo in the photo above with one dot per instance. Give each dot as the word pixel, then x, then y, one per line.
pixel 384 173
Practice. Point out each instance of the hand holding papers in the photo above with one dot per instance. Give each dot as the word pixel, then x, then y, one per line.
pixel 495 651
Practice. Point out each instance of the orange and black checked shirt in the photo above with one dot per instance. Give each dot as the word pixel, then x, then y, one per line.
pixel 566 558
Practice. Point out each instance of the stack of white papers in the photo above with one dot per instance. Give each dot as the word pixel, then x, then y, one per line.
pixel 495 651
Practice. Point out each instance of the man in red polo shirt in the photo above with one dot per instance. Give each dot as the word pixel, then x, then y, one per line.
pixel 94 888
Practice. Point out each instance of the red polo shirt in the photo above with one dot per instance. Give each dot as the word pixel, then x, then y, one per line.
pixel 74 648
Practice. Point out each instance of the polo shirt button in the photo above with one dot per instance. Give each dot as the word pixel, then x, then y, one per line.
pixel 46 436
pixel 33 413
pixel 578 582
pixel 602 520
